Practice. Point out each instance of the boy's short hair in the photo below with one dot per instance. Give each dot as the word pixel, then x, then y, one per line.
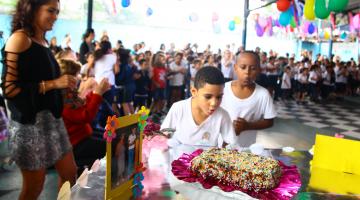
pixel 209 75
pixel 253 53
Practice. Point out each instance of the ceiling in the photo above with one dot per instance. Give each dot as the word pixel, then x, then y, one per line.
pixel 353 5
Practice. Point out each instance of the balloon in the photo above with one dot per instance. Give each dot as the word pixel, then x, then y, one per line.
pixel 237 20
pixel 215 17
pixel 262 21
pixel 356 21
pixel 337 5
pixel 285 18
pixel 309 9
pixel 326 35
pixel 270 26
pixel 277 23
pixel 193 17
pixel 259 30
pixel 232 25
pixel 283 5
pixel 343 35
pixel 305 27
pixel 149 12
pixel 311 28
pixel 301 9
pixel 125 3
pixel 321 11
pixel 351 23
pixel 293 22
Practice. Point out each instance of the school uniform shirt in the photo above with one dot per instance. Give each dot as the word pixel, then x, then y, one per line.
pixel 312 75
pixel 228 71
pixel 259 105
pixel 286 79
pixel 193 72
pixel 178 78
pixel 207 133
pixel 339 78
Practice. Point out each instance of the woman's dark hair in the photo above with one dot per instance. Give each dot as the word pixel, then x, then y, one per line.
pixel 23 15
pixel 124 56
pixel 88 32
pixel 105 46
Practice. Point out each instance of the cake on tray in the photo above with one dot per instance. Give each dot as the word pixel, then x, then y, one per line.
pixel 241 169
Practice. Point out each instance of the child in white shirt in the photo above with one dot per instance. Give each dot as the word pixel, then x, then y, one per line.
pixel 199 120
pixel 286 84
pixel 250 105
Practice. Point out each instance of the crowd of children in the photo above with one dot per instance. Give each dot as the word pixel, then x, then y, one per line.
pixel 167 82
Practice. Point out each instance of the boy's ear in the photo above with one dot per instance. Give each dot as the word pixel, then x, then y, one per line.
pixel 193 91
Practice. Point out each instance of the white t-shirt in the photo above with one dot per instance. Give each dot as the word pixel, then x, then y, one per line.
pixel 178 78
pixel 303 78
pixel 286 82
pixel 188 132
pixel 312 75
pixel 339 78
pixel 193 72
pixel 104 68
pixel 327 78
pixel 259 105
pixel 228 71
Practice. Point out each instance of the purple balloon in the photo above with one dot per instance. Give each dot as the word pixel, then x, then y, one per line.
pixel 259 30
pixel 311 28
pixel 277 24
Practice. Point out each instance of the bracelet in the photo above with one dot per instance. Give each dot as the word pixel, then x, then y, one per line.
pixel 43 87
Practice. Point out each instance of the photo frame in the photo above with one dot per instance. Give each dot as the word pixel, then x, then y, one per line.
pixel 123 155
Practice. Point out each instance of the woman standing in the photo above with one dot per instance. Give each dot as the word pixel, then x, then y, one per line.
pixel 31 84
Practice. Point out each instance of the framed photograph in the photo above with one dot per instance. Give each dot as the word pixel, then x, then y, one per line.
pixel 123 155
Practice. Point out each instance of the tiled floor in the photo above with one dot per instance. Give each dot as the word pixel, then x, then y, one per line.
pixel 295 126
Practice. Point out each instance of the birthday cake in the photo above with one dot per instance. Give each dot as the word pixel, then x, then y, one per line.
pixel 241 169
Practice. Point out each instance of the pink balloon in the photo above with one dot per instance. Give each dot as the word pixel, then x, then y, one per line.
pixel 262 21
pixel 356 21
pixel 305 27
pixel 351 24
pixel 270 26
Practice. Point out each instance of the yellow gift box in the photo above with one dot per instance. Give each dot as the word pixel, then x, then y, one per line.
pixel 337 154
pixel 335 166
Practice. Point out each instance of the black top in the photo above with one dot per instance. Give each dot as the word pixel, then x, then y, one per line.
pixel 143 83
pixel 33 65
pixel 84 49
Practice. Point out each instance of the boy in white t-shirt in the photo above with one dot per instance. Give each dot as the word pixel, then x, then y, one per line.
pixel 250 105
pixel 199 120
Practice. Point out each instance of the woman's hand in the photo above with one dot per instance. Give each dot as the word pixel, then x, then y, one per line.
pixel 102 87
pixel 65 81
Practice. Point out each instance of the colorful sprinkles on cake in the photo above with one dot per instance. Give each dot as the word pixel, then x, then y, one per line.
pixel 241 169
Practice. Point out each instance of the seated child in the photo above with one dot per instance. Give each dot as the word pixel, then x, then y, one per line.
pixel 199 120
pixel 249 105
pixel 78 115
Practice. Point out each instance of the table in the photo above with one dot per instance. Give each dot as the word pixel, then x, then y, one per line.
pixel 160 183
